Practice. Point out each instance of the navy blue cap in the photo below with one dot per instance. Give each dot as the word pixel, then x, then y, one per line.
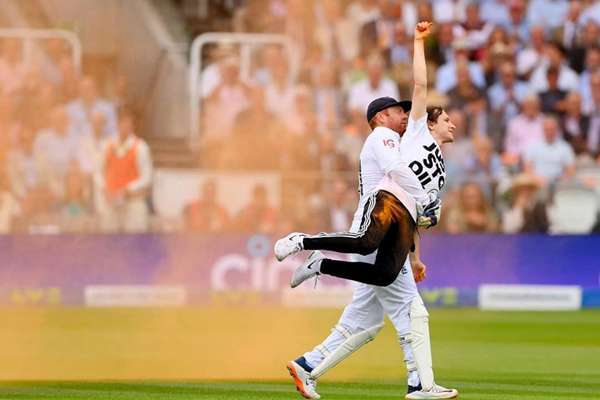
pixel 382 103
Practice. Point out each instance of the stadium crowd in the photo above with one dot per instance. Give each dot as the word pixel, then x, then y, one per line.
pixel 70 159
pixel 521 80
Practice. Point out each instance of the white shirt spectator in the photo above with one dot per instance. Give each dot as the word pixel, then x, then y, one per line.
pixel 550 13
pixel 498 97
pixel 522 132
pixel 361 93
pixel 568 80
pixel 449 10
pixel 446 76
pixel 549 160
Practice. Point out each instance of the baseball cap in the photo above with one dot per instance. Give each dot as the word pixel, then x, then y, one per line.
pixel 382 103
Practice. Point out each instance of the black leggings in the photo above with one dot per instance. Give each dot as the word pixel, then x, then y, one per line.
pixel 387 226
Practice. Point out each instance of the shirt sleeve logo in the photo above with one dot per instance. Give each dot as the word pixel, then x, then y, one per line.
pixel 389 143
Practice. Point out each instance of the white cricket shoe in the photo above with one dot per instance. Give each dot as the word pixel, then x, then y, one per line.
pixel 436 392
pixel 309 268
pixel 306 385
pixel 291 244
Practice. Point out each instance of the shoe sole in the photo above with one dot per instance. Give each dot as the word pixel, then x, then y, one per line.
pixel 299 385
pixel 452 397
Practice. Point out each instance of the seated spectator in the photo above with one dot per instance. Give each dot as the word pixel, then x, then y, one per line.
pixel 574 124
pixel 499 49
pixel 555 58
pixel 593 137
pixel 473 213
pixel 226 101
pixel 27 176
pixel 465 92
pixel 506 95
pixel 457 154
pixel 517 27
pixel 532 56
pixel 374 86
pixel 379 33
pixel 579 45
pixel 474 30
pixel 270 57
pixel 523 130
pixel 552 99
pixel 550 159
pixel 257 216
pixel 126 180
pixel 88 103
pixel 55 149
pixel 205 214
pixel 12 66
pixel 592 65
pixel 442 51
pixel 448 11
pixel 484 166
pixel 76 208
pixel 494 11
pixel 446 74
pixel 550 13
pixel 527 213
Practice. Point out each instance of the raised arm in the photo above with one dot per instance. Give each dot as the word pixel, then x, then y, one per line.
pixel 419 99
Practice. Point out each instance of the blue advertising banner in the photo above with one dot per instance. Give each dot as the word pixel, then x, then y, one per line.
pixel 57 269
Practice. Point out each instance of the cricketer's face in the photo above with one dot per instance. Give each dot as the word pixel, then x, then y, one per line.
pixel 397 119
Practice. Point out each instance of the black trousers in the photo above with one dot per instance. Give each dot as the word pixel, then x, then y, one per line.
pixel 386 226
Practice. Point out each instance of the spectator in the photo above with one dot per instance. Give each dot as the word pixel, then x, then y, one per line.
pixel 442 51
pixel 257 216
pixel 270 57
pixel 88 103
pixel 374 86
pixel 226 101
pixel 446 74
pixel 76 209
pixel 205 214
pixel 26 175
pixel 532 56
pixel 506 95
pixel 523 130
pixel 474 30
pixel 577 43
pixel 334 33
pixel 551 159
pixel 574 124
pixel 517 27
pixel 55 149
pixel 593 139
pixel 495 11
pixel 126 180
pixel 484 166
pixel 12 67
pixel 379 33
pixel 499 49
pixel 550 13
pixel 567 78
pixel 457 154
pixel 552 99
pixel 465 92
pixel 448 11
pixel 592 65
pixel 527 214
pixel 472 213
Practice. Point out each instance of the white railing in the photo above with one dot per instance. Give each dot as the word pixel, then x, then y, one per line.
pixel 246 42
pixel 28 35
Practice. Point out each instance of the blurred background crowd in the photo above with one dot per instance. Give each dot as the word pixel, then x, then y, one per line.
pixel 520 79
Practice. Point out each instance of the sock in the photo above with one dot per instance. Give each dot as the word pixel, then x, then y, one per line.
pixel 301 361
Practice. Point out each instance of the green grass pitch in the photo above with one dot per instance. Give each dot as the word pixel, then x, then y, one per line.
pixel 485 355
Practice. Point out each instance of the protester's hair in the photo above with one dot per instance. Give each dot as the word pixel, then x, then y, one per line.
pixel 433 113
